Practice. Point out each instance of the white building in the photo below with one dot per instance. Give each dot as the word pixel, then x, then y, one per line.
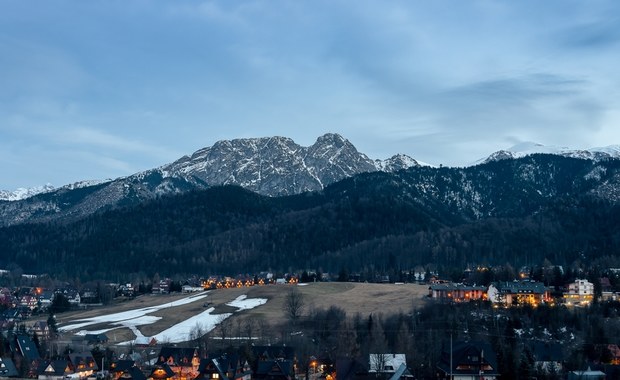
pixel 580 293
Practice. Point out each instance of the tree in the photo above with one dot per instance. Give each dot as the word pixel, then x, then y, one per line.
pixel 51 322
pixel 294 304
pixel 59 304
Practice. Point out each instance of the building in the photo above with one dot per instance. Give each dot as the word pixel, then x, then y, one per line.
pixel 457 292
pixel 518 293
pixel 468 361
pixel 579 293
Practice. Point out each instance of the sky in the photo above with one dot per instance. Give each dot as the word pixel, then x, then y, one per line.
pixel 103 89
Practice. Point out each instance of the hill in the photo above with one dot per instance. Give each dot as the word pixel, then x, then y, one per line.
pixel 353 298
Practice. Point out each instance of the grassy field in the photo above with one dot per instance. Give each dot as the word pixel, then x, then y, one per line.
pixel 352 297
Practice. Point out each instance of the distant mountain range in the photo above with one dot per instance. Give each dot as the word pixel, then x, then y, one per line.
pixel 273 166
pixel 528 148
pixel 519 211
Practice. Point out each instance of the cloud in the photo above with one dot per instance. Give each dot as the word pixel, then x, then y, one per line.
pixel 592 35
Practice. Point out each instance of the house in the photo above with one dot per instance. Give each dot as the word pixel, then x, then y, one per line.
pixel 388 366
pixel 95 339
pixel 468 361
pixel 580 293
pixel 548 357
pixel 274 362
pixel 7 368
pixel 518 293
pixel 274 370
pixel 274 352
pixel 225 367
pixel 54 370
pixel 42 330
pixel 183 362
pixel 457 292
pixel 83 364
pixel 126 370
pixel 26 354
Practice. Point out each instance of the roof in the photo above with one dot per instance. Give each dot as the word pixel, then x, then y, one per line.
pixel 453 287
pixel 274 352
pixel 121 365
pixel 179 356
pixel 95 338
pixel 468 357
pixel 161 371
pixel 401 371
pixel 53 368
pixel 7 368
pixel 133 373
pixel 27 347
pixel 516 287
pixel 275 368
pixel 83 361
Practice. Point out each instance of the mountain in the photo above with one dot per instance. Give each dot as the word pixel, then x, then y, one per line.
pixel 272 166
pixel 23 193
pixel 528 148
pixel 519 211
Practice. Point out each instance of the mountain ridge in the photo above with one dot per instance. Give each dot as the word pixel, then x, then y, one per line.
pixel 272 166
pixel 519 211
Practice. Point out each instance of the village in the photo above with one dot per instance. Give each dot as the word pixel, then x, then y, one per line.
pixel 32 345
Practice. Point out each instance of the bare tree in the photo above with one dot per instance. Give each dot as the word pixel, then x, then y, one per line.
pixel 294 304
pixel 378 363
pixel 225 327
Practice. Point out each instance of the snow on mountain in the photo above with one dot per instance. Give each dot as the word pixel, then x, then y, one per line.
pixel 396 162
pixel 527 148
pixel 271 166
pixel 23 193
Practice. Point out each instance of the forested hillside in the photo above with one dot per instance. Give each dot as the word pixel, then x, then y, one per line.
pixel 517 211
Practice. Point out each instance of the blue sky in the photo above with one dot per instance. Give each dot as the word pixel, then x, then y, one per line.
pixel 101 89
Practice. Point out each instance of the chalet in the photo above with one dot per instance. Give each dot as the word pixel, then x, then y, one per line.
pixel 95 339
pixel 274 370
pixel 45 299
pixel 55 370
pixel 126 370
pixel 468 361
pixel 83 364
pixel 28 301
pixel 274 362
pixel 184 362
pixel 457 292
pixel 42 330
pixel 579 293
pixel 162 372
pixel 518 293
pixel 226 367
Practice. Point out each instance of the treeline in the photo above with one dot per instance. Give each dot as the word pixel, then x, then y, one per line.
pixel 515 211
pixel 422 333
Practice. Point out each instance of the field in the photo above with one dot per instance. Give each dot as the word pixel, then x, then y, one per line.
pixel 157 313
